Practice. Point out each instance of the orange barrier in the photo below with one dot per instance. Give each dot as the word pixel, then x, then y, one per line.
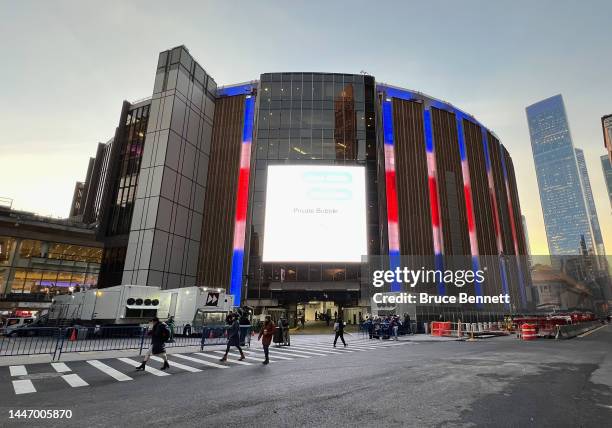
pixel 440 328
pixel 528 332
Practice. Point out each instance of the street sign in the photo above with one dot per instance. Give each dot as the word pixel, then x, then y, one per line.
pixel 212 299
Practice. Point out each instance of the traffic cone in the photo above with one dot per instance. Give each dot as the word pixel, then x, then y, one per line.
pixel 73 336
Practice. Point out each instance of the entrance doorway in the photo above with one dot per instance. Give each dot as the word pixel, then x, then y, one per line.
pixel 317 310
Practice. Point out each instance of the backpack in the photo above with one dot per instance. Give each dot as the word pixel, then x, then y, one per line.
pixel 165 332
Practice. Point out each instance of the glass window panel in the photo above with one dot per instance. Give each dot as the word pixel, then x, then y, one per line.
pixel 306 118
pixel 290 273
pixel 327 119
pixel 7 247
pixel 285 90
pixel 285 121
pixel 275 88
pixel 275 119
pixel 305 146
pixel 329 91
pixel 296 117
pixel 296 87
pixel 314 273
pixel 283 148
pixel 316 151
pixel 316 119
pixel 317 91
pixel 273 149
pixel 262 149
pixel 30 248
pixel 302 273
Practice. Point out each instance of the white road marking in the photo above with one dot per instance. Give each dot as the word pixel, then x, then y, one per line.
pixel 592 331
pixel 282 351
pixel 61 367
pixel 338 350
pixel 214 357
pixel 259 352
pixel 235 354
pixel 179 365
pixel 18 370
pixel 147 367
pixel 206 363
pixel 302 352
pixel 116 374
pixel 74 380
pixel 23 386
pixel 312 349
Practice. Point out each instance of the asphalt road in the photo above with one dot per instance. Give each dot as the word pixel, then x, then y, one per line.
pixel 499 382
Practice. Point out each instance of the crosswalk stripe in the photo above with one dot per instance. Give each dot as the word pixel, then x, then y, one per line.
pixel 277 351
pixel 216 358
pixel 235 354
pixel 310 348
pixel 179 365
pixel 338 350
pixel 60 367
pixel 23 386
pixel 74 380
pixel 116 374
pixel 206 363
pixel 147 368
pixel 256 357
pixel 294 353
pixel 350 345
pixel 261 352
pixel 18 370
pixel 303 352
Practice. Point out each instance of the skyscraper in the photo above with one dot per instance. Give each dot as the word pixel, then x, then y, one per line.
pixel 607 171
pixel 606 124
pixel 588 195
pixel 564 206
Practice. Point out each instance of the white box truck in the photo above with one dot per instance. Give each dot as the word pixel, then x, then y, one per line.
pixel 137 304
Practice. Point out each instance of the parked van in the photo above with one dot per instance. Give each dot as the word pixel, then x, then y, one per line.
pixel 13 324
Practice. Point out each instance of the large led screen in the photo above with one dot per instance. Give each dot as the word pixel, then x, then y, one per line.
pixel 315 214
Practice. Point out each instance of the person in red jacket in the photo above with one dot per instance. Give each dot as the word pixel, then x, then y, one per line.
pixel 267 332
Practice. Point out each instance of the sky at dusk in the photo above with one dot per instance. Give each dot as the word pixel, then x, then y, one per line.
pixel 68 65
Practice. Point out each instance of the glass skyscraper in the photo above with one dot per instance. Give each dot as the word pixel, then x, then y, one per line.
pixel 607 171
pixel 588 195
pixel 564 205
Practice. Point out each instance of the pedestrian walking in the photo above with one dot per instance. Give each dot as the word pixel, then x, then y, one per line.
pixel 265 335
pixel 395 327
pixel 160 334
pixel 369 325
pixel 339 327
pixel 407 325
pixel 170 324
pixel 233 336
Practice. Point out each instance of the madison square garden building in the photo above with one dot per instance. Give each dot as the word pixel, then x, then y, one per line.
pixel 287 190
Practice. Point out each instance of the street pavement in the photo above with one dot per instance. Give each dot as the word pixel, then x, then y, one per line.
pixel 500 382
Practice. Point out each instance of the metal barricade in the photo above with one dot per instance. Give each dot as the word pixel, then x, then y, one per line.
pixel 30 341
pixel 217 335
pixel 56 341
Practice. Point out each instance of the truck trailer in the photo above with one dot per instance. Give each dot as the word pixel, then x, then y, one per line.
pixel 137 304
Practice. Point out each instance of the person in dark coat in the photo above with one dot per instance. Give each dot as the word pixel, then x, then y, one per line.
pixel 160 333
pixel 339 327
pixel 233 337
pixel 266 334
